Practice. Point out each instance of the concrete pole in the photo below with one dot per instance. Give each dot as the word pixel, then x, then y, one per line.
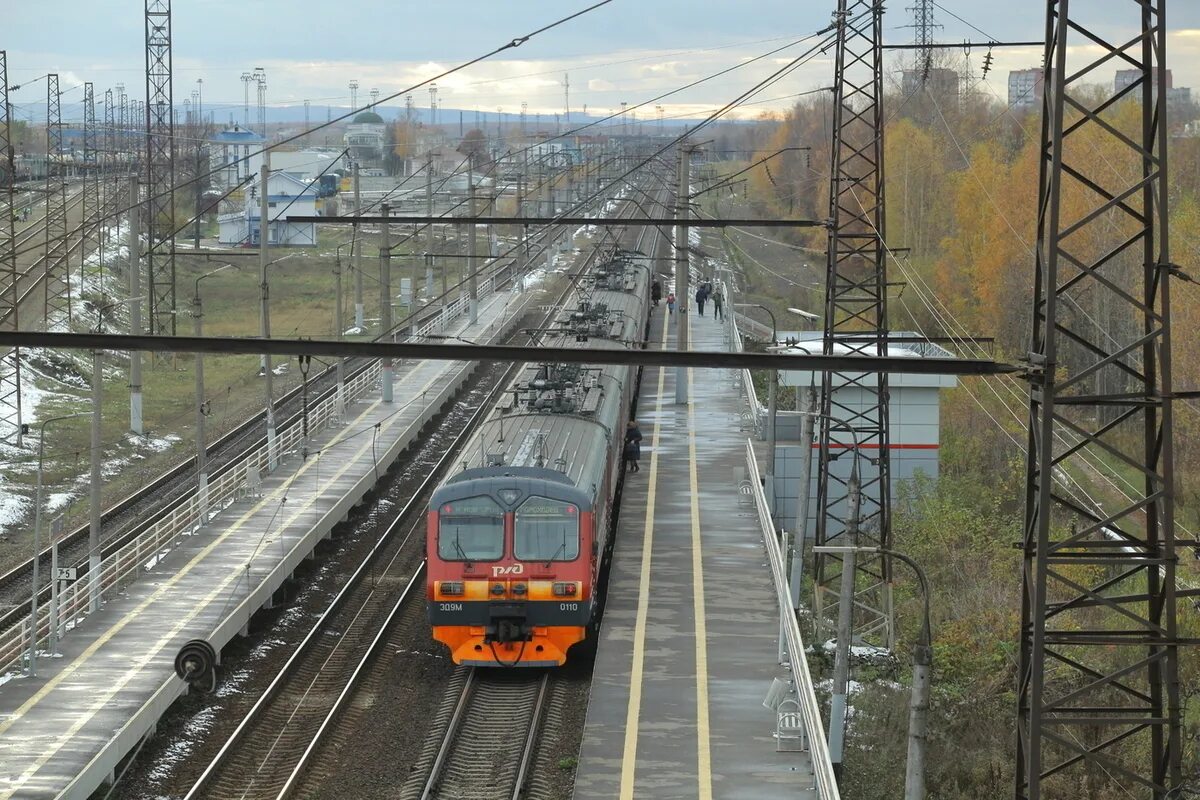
pixel 430 247
pixel 264 238
pixel 339 330
pixel 772 436
pixel 357 256
pixel 472 288
pixel 385 298
pixel 94 490
pixel 914 774
pixel 37 549
pixel 841 664
pixel 681 270
pixel 807 408
pixel 201 442
pixel 135 311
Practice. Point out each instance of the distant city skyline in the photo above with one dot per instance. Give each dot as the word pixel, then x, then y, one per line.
pixel 618 53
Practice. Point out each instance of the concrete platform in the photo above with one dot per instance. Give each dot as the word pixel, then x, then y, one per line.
pixel 689 643
pixel 62 732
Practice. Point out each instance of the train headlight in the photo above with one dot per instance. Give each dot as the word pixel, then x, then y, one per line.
pixel 565 589
pixel 454 588
pixel 518 589
pixel 498 589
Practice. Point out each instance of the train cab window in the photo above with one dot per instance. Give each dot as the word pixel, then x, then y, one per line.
pixel 546 530
pixel 471 529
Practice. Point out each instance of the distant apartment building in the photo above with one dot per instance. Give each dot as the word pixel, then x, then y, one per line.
pixel 1127 77
pixel 1025 88
pixel 1179 98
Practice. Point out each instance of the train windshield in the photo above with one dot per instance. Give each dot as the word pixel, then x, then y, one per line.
pixel 546 530
pixel 471 529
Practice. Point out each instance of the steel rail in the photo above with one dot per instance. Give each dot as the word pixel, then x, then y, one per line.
pixel 531 739
pixel 443 754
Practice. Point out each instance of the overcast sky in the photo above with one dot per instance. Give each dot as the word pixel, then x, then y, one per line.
pixel 626 51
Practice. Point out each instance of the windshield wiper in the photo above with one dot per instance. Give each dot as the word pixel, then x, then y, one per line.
pixel 458 546
pixel 562 548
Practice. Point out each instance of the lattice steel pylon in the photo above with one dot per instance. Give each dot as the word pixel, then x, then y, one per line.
pixel 91 179
pixel 1098 683
pixel 854 406
pixel 160 168
pixel 10 358
pixel 110 134
pixel 56 273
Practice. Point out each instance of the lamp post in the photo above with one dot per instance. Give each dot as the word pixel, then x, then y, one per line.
pixel 201 409
pixel 37 547
pixel 914 775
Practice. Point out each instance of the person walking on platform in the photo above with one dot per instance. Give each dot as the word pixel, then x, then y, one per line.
pixel 633 446
pixel 700 298
pixel 718 305
pixel 655 293
pixel 671 303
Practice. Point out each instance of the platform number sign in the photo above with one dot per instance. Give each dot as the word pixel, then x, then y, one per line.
pixel 66 574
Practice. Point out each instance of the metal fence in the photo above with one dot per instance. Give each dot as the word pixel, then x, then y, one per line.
pixel 793 653
pixel 126 565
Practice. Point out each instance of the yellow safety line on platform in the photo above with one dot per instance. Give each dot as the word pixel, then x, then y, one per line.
pixel 634 712
pixel 101 701
pixel 703 751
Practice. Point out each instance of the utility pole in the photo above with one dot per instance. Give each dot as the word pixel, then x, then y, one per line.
pixel 339 331
pixel 385 298
pixel 682 265
pixel 94 500
pixel 135 308
pixel 201 448
pixel 356 255
pixel 806 404
pixel 429 251
pixel 472 289
pixel 264 239
pixel 841 664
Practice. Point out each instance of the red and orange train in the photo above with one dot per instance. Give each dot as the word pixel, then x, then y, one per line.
pixel 516 540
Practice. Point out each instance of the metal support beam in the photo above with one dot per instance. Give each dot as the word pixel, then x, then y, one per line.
pixel 700 359
pixel 631 222
pixel 10 358
pixel 854 406
pixel 1098 682
pixel 160 168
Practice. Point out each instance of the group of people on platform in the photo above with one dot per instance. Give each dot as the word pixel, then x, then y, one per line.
pixel 704 294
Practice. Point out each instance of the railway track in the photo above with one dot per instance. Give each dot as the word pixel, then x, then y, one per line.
pixel 491 723
pixel 270 746
pixel 129 517
pixel 307 708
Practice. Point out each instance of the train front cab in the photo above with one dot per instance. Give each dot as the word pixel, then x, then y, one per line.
pixel 510 559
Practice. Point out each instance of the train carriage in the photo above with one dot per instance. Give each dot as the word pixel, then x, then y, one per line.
pixel 516 539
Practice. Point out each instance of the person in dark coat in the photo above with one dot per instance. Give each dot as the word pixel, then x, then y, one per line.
pixel 656 292
pixel 633 446
pixel 718 305
pixel 701 297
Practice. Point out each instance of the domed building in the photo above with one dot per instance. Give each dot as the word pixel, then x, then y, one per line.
pixel 366 137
